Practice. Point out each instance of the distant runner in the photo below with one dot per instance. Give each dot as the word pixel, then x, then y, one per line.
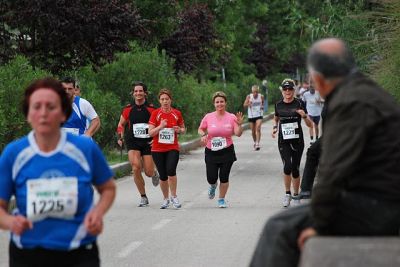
pixel 255 109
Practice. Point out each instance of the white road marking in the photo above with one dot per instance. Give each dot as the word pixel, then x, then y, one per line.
pixel 161 224
pixel 129 249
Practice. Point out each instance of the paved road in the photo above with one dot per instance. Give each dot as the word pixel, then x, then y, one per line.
pixel 199 234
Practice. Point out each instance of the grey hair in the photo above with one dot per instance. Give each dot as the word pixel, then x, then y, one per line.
pixel 331 65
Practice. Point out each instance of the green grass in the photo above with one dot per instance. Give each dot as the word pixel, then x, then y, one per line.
pixel 387 70
pixel 115 156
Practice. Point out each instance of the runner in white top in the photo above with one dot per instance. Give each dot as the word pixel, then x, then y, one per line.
pixel 314 108
pixel 255 109
pixel 82 111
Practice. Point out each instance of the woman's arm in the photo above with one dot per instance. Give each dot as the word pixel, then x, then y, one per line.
pixel 16 224
pixel 120 130
pixel 275 126
pixel 247 102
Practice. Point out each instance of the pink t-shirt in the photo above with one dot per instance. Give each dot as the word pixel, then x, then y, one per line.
pixel 219 129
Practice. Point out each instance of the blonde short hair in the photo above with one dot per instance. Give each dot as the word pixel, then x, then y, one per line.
pixel 219 94
pixel 255 88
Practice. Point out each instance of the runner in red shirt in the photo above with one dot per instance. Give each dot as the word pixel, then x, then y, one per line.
pixel 164 126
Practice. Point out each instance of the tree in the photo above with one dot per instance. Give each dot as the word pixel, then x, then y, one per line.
pixel 66 34
pixel 263 56
pixel 192 39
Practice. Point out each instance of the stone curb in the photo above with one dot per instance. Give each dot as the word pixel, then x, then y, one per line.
pixel 185 147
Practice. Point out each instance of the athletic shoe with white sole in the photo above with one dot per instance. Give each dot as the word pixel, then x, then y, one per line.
pixel 175 202
pixel 144 201
pixel 221 203
pixel 165 204
pixel 286 200
pixel 211 190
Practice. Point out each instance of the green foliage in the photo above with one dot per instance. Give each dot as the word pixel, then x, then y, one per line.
pixel 153 68
pixel 14 78
pixel 60 35
pixel 387 70
pixel 108 108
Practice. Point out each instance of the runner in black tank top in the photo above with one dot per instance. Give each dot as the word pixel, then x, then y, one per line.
pixel 289 112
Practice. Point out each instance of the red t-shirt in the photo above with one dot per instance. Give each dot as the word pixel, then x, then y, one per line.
pixel 166 139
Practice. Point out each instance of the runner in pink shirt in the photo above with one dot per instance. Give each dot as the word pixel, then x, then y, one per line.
pixel 216 130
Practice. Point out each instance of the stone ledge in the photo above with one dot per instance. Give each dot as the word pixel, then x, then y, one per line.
pixel 351 251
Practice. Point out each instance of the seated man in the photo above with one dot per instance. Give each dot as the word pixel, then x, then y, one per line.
pixel 358 191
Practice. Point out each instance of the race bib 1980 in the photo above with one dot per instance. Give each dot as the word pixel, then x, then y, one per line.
pixel 166 136
pixel 289 130
pixel 218 143
pixel 55 197
pixel 141 130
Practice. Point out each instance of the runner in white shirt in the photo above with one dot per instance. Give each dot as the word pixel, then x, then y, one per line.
pixel 82 111
pixel 314 107
pixel 255 109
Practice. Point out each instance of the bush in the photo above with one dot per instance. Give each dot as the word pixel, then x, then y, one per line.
pixel 153 68
pixel 108 107
pixel 15 77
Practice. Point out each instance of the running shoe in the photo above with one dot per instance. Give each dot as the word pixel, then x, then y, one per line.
pixel 156 178
pixel 221 203
pixel 257 147
pixel 211 190
pixel 165 204
pixel 296 200
pixel 175 202
pixel 286 200
pixel 144 201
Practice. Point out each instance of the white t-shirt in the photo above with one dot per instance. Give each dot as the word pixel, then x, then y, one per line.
pixel 255 110
pixel 302 91
pixel 313 103
pixel 87 109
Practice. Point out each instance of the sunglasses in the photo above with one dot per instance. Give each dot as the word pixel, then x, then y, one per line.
pixel 287 89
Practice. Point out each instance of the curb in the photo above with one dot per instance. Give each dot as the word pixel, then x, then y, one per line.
pixel 185 147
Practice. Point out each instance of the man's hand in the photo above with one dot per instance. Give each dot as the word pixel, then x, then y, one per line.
pixel 304 235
